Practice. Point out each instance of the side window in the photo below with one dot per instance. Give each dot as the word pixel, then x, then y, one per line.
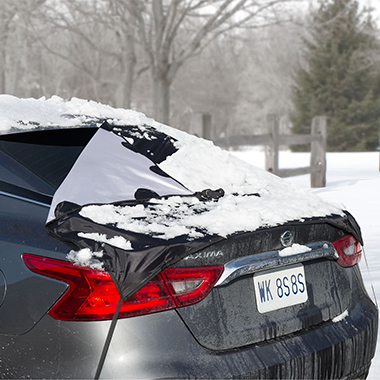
pixel 50 163
pixel 14 173
pixel 40 160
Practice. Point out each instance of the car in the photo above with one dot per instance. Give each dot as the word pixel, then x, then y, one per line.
pixel 133 250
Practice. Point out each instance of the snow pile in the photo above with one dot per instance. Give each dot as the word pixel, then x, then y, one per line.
pixel 29 114
pixel 85 257
pixel 294 250
pixel 340 317
pixel 116 241
pixel 177 216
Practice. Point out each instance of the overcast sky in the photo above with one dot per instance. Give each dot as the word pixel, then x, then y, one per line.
pixel 375 4
pixel 372 3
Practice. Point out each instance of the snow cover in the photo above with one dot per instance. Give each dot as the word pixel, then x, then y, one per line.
pixel 29 114
pixel 294 250
pixel 86 257
pixel 197 165
pixel 253 197
pixel 116 241
pixel 340 317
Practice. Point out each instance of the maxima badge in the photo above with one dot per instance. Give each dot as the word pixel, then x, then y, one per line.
pixel 287 239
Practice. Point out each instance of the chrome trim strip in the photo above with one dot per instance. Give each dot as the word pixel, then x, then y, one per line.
pixel 272 259
pixel 24 199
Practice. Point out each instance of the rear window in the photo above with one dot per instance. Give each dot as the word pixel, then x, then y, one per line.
pixel 48 154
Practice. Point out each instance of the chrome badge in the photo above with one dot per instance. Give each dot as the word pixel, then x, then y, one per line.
pixel 204 255
pixel 287 239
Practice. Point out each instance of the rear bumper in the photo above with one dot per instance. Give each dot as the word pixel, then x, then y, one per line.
pixel 159 346
pixel 165 350
pixel 333 351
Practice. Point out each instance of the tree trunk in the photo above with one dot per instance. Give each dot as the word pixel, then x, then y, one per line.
pixel 3 56
pixel 128 74
pixel 2 70
pixel 128 64
pixel 161 99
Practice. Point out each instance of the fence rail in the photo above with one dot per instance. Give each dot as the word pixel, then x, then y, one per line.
pixel 273 140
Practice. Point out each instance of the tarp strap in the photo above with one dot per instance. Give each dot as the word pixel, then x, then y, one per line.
pixel 108 339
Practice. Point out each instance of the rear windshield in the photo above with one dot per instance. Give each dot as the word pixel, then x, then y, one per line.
pixel 48 154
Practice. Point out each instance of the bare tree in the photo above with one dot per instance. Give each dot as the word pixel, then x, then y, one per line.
pixel 269 59
pixel 208 84
pixel 99 48
pixel 13 40
pixel 162 24
pixel 103 47
pixel 100 44
pixel 125 33
pixel 8 10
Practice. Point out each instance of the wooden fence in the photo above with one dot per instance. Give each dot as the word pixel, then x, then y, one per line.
pixel 273 140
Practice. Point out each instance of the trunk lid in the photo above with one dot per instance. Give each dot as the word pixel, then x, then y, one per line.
pixel 229 317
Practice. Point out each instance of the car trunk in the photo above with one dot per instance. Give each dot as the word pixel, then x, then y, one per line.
pixel 229 317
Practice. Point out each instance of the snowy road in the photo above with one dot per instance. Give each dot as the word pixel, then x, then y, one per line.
pixel 353 179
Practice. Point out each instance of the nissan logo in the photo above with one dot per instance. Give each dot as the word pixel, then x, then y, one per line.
pixel 287 239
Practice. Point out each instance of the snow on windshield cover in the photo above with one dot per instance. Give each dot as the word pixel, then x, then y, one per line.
pixel 253 198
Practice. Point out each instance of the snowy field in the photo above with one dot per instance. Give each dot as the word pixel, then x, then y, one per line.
pixel 353 179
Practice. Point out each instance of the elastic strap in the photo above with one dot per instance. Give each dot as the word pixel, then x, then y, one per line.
pixel 108 339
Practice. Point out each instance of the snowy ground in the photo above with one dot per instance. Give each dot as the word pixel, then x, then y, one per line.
pixel 353 179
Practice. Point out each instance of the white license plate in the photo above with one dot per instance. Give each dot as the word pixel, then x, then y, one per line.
pixel 278 288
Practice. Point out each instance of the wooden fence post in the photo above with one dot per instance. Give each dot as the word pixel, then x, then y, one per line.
pixel 272 141
pixel 271 150
pixel 318 152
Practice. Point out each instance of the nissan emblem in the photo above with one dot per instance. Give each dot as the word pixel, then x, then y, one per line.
pixel 287 239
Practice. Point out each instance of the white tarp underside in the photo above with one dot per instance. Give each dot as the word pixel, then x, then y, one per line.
pixel 108 172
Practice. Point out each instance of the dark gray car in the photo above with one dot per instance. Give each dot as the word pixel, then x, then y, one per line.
pixel 248 305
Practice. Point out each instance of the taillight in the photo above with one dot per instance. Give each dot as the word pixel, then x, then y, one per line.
pixel 190 285
pixel 92 295
pixel 349 250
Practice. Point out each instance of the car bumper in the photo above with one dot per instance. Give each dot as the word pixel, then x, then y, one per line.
pixel 158 346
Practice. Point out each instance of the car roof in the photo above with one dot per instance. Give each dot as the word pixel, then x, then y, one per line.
pixel 17 115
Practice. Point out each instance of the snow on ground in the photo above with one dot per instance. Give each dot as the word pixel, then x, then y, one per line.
pixel 354 180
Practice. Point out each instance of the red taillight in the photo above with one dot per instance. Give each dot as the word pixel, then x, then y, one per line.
pixel 349 250
pixel 190 285
pixel 92 295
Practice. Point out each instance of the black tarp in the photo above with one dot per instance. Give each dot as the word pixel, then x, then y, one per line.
pixel 137 182
pixel 132 182
pixel 129 269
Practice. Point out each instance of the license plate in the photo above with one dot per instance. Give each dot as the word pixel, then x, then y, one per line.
pixel 278 288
